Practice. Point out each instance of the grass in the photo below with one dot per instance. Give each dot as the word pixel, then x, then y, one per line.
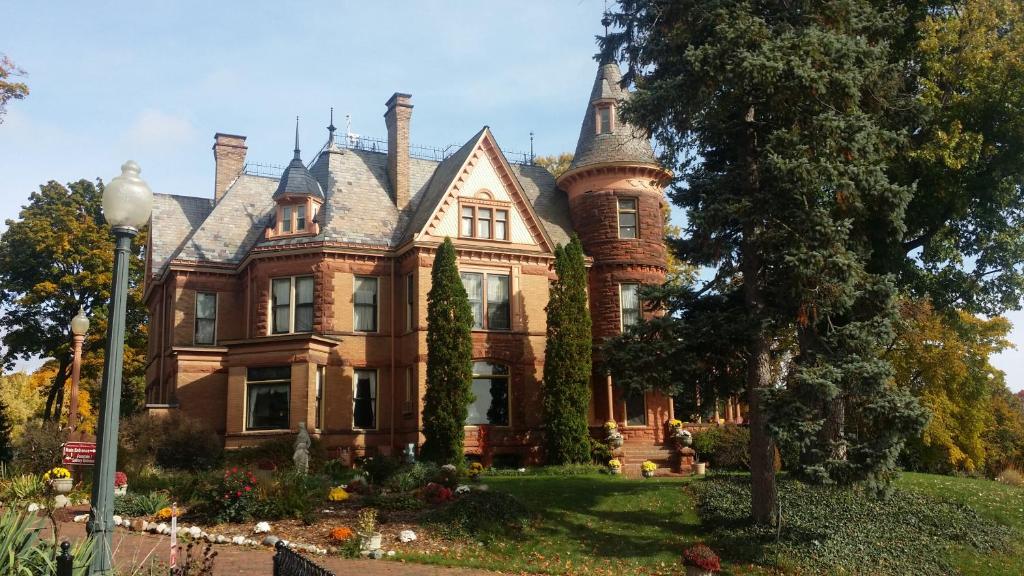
pixel 993 501
pixel 593 524
pixel 598 525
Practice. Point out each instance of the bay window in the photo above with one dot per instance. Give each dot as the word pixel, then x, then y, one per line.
pixel 267 393
pixel 365 304
pixel 292 304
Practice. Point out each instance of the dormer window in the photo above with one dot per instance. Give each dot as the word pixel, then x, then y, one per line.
pixel 486 222
pixel 293 219
pixel 300 218
pixel 286 219
pixel 605 118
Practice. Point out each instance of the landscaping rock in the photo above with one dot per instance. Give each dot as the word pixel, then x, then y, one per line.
pixel 376 554
pixel 81 518
pixel 195 532
pixel 33 507
pixel 221 539
pixel 406 536
pixel 61 501
pixel 261 528
pixel 239 540
pixel 161 528
pixel 117 520
pixel 270 540
pixel 391 553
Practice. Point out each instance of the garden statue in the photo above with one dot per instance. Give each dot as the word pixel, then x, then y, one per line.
pixel 301 456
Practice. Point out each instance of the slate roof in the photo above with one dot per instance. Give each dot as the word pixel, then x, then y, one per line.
pixel 358 207
pixel 297 181
pixel 625 143
pixel 174 219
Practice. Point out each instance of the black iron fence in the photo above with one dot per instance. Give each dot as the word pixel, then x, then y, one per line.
pixel 65 561
pixel 290 563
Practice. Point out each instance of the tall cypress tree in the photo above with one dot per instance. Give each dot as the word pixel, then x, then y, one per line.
pixel 449 361
pixel 567 360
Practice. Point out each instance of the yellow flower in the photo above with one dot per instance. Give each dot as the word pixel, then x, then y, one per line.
pixel 164 514
pixel 675 423
pixel 648 466
pixel 614 463
pixel 57 473
pixel 610 425
pixel 337 494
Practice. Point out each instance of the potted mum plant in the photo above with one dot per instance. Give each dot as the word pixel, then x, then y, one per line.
pixel 59 479
pixel 700 560
pixel 647 469
pixel 120 483
pixel 614 466
pixel 613 436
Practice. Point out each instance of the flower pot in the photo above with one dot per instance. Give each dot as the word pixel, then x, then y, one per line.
pixel 371 542
pixel 700 468
pixel 614 471
pixel 616 441
pixel 120 490
pixel 697 571
pixel 61 485
pixel 647 473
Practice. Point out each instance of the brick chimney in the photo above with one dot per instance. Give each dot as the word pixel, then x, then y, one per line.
pixel 397 119
pixel 229 152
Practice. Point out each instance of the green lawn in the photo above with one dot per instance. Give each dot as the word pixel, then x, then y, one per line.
pixel 605 525
pixel 994 501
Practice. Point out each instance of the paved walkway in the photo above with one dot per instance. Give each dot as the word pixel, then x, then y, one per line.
pixel 132 549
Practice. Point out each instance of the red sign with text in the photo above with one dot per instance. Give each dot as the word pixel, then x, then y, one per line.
pixel 80 453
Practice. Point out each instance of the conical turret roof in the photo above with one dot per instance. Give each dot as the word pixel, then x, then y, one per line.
pixel 625 142
pixel 296 179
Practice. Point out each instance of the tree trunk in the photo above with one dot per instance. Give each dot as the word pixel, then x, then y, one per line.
pixel 762 449
pixel 55 396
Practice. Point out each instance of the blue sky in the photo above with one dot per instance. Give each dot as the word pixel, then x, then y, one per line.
pixel 154 81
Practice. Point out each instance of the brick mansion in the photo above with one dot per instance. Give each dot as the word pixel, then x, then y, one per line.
pixel 301 296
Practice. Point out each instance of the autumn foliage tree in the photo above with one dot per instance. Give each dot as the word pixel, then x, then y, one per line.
pixel 56 257
pixel 9 88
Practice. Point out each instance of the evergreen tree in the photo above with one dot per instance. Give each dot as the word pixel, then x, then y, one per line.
pixel 449 361
pixel 6 446
pixel 775 113
pixel 567 359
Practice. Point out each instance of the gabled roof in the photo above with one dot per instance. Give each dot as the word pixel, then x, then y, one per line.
pixel 358 208
pixel 625 143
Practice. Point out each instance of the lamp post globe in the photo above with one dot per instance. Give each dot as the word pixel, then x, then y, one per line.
pixel 80 323
pixel 127 199
pixel 127 203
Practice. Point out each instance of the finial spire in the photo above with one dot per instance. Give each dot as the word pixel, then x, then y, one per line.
pixel 297 157
pixel 331 128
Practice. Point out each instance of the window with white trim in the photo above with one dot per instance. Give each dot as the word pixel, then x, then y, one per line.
pixel 206 319
pixel 489 299
pixel 291 304
pixel 627 218
pixel 364 400
pixel 629 304
pixel 364 299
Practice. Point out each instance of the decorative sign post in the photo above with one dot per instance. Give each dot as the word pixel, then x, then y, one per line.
pixel 80 453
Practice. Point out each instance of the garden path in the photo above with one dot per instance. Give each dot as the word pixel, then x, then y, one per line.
pixel 132 549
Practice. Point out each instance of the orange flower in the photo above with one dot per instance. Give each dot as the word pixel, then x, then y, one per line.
pixel 341 534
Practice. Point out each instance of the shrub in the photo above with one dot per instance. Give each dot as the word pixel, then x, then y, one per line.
pixel 23 488
pixel 705 442
pixel 173 441
pixel 1011 476
pixel 379 469
pixel 276 454
pixel 236 496
pixel 293 495
pixel 412 477
pixel 396 502
pixel 436 494
pixel 733 449
pixel 599 452
pixel 39 448
pixel 479 515
pixel 135 504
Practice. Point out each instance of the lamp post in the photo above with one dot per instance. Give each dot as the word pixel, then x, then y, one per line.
pixel 127 203
pixel 79 326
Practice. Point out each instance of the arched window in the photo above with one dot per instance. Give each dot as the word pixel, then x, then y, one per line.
pixel 490 387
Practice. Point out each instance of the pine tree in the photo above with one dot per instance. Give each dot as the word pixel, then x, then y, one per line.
pixel 777 114
pixel 449 361
pixel 567 360
pixel 6 445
